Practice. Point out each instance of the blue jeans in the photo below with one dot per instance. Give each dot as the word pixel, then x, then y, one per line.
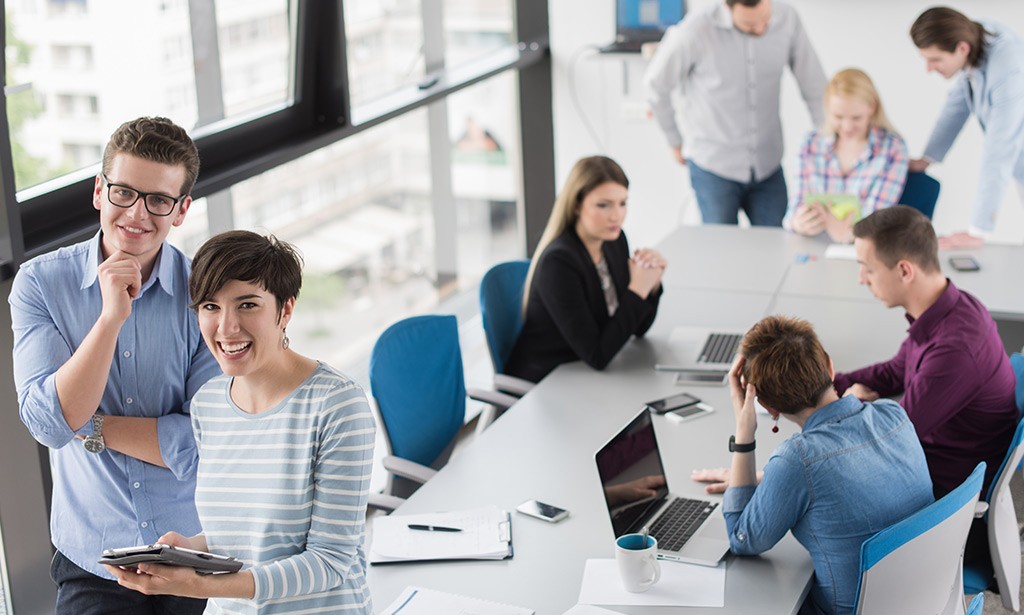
pixel 720 200
pixel 80 592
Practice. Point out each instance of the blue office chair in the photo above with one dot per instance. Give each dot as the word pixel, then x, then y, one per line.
pixel 916 565
pixel 417 382
pixel 1003 534
pixel 1017 363
pixel 501 309
pixel 921 192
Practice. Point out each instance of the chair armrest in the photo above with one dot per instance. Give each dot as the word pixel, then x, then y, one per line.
pixel 512 385
pixel 408 469
pixel 980 508
pixel 384 501
pixel 500 400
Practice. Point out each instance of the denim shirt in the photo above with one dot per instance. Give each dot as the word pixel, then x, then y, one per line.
pixel 109 499
pixel 855 469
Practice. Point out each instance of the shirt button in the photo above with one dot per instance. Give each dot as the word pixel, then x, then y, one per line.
pixel 127 353
pixel 129 400
pixel 136 484
pixel 145 524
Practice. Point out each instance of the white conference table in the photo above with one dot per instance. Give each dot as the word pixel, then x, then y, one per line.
pixel 544 447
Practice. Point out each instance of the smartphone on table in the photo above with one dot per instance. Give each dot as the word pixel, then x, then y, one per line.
pixel 540 510
pixel 674 402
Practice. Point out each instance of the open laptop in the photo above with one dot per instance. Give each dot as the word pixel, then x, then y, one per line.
pixel 687 529
pixel 643 21
pixel 701 349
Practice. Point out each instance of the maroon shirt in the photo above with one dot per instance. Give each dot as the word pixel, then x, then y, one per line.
pixel 957 386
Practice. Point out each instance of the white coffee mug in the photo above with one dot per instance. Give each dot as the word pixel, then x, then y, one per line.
pixel 638 562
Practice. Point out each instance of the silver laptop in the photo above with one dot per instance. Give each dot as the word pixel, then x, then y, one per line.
pixel 687 529
pixel 701 349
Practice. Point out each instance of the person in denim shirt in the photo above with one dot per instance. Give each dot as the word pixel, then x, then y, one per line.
pixel 854 469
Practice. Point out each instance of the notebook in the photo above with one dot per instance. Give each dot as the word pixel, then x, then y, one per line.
pixel 642 21
pixel 420 601
pixel 687 529
pixel 484 533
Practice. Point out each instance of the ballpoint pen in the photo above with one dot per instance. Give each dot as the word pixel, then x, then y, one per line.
pixel 433 528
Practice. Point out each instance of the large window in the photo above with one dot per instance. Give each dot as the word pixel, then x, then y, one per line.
pixel 389 151
pixel 76 70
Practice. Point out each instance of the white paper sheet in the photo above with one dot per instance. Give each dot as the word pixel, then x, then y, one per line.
pixel 484 535
pixel 841 251
pixel 420 601
pixel 589 609
pixel 680 585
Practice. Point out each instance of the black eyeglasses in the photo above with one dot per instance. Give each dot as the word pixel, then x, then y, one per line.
pixel 125 196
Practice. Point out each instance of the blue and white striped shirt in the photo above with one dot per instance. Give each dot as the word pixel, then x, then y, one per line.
pixel 285 491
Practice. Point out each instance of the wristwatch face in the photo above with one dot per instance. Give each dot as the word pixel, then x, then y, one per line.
pixel 94 444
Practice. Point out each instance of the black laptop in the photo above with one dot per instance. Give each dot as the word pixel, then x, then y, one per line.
pixel 643 21
pixel 688 529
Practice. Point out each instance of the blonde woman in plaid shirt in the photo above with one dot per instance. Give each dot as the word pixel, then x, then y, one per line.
pixel 856 153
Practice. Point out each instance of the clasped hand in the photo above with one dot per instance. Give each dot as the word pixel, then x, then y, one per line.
pixel 645 271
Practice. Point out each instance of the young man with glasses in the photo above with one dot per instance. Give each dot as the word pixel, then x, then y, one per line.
pixel 107 354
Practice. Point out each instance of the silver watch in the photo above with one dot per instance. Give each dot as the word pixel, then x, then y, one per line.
pixel 94 443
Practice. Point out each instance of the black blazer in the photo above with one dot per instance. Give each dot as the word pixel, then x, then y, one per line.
pixel 567 316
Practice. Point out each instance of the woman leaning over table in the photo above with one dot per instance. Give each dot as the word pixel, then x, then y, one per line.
pixel 285 449
pixel 857 155
pixel 585 294
pixel 854 469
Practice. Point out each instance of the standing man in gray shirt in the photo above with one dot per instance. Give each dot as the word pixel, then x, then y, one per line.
pixel 730 58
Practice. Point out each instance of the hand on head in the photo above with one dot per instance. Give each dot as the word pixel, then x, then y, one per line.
pixel 742 394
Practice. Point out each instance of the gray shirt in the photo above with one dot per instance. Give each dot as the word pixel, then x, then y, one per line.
pixel 731 83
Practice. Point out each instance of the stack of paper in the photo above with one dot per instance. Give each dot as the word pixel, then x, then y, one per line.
pixel 419 601
pixel 484 533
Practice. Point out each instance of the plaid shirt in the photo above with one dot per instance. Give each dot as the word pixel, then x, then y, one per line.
pixel 877 179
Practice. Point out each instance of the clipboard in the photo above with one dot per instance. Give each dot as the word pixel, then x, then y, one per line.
pixel 200 561
pixel 484 534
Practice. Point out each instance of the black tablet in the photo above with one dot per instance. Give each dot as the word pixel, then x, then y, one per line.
pixel 203 563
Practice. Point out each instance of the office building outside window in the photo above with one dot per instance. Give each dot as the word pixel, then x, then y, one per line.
pixel 77 69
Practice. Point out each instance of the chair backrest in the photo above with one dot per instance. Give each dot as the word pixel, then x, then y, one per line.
pixel 1003 534
pixel 1017 362
pixel 916 565
pixel 921 192
pixel 501 308
pixel 417 380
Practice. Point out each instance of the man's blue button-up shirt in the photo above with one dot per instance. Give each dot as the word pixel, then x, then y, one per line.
pixel 109 499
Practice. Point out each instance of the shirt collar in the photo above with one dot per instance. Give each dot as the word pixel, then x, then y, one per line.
pixel 923 328
pixel 835 411
pixel 163 270
pixel 723 18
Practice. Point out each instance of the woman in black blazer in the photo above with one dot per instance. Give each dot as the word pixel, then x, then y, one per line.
pixel 585 296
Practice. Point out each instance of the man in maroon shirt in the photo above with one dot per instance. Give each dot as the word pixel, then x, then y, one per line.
pixel 953 372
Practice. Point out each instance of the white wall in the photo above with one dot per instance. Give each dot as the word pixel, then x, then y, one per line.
pixel 869 34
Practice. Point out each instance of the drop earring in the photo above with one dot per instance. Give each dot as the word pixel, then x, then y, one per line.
pixel 775 427
pixel 285 342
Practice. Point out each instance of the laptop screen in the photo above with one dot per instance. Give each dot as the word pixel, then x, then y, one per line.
pixel 632 475
pixel 657 15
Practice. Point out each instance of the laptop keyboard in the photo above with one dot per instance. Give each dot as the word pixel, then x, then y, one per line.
pixel 680 521
pixel 719 348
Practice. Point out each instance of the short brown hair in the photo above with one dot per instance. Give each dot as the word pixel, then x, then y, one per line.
pixel 901 233
pixel 786 364
pixel 156 139
pixel 249 257
pixel 944 28
pixel 747 3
